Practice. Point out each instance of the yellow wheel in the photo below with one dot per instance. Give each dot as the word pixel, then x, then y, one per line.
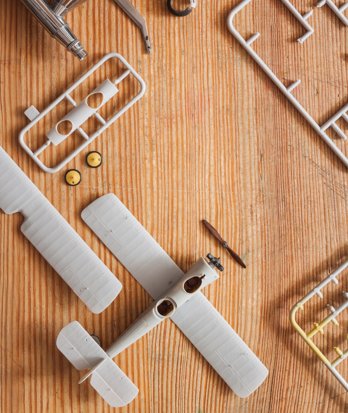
pixel 73 177
pixel 94 159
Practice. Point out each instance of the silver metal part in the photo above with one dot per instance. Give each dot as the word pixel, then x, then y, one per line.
pixel 181 13
pixel 61 7
pixel 96 339
pixel 52 20
pixel 137 18
pixel 52 14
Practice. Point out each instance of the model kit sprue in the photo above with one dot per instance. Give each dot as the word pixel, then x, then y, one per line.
pixel 287 90
pixel 319 327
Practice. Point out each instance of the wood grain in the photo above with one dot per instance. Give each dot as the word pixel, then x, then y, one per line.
pixel 211 139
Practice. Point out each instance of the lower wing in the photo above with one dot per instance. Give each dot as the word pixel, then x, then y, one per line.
pixel 220 345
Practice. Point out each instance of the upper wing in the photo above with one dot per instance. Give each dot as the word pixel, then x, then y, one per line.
pixel 55 239
pixel 132 245
pixel 156 271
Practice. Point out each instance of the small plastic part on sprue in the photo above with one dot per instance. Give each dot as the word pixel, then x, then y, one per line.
pixel 73 124
pixel 73 177
pixel 94 159
pixel 340 310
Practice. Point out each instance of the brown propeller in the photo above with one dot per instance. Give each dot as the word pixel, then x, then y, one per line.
pixel 223 243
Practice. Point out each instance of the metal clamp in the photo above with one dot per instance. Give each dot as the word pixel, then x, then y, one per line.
pixel 181 13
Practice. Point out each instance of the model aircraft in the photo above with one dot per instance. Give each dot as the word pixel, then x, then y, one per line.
pixel 176 296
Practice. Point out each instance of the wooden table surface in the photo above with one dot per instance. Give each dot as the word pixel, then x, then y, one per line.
pixel 214 139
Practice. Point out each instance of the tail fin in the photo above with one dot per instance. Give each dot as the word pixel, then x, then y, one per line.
pixel 106 377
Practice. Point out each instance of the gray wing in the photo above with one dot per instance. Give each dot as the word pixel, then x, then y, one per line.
pixel 55 239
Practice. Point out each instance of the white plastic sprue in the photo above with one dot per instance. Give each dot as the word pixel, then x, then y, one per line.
pixel 336 278
pixel 74 120
pixel 287 90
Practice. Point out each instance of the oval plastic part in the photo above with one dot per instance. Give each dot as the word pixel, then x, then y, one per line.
pixel 73 177
pixel 94 159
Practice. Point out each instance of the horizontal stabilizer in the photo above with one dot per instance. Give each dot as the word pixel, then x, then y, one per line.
pixel 113 385
pixel 83 352
pixel 79 347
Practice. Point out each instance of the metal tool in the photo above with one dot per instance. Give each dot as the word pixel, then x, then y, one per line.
pixel 52 18
pixel 137 18
pixel 223 243
pixel 181 13
pixel 51 15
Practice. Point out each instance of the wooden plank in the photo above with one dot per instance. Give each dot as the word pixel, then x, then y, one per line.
pixel 211 139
